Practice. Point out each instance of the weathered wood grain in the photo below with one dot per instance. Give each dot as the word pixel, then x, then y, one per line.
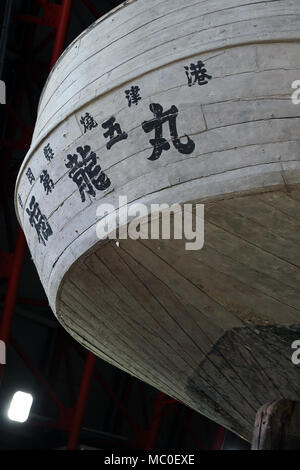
pixel 277 426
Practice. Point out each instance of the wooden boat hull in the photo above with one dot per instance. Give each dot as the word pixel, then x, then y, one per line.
pixel 212 328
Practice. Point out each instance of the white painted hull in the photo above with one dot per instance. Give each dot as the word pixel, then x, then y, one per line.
pixel 179 320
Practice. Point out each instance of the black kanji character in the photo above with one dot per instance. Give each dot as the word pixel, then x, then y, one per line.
pixel 20 201
pixel 47 182
pixel 30 176
pixel 159 143
pixel 88 122
pixel 86 173
pixel 198 72
pixel 133 95
pixel 48 152
pixel 39 221
pixel 113 128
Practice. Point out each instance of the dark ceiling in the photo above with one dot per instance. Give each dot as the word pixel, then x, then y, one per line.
pixel 41 356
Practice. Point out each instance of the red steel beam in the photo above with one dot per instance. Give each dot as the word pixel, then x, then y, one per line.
pixel 82 400
pixel 118 403
pixel 188 428
pixel 151 435
pixel 111 393
pixel 62 30
pixel 92 8
pixel 220 437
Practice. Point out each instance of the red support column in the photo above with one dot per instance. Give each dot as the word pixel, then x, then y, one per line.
pixel 122 408
pixel 92 8
pixel 188 429
pixel 61 30
pixel 220 437
pixel 82 399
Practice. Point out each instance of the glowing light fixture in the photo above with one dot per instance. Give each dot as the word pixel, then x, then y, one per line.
pixel 20 407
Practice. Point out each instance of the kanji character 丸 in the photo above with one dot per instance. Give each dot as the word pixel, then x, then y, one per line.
pixel 39 221
pixel 85 172
pixel 159 143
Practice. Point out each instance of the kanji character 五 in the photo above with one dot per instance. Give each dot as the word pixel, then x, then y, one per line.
pixel 159 143
pixel 88 122
pixel 113 133
pixel 30 176
pixel 85 172
pixel 39 221
pixel 48 152
pixel 197 73
pixel 47 181
pixel 133 95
